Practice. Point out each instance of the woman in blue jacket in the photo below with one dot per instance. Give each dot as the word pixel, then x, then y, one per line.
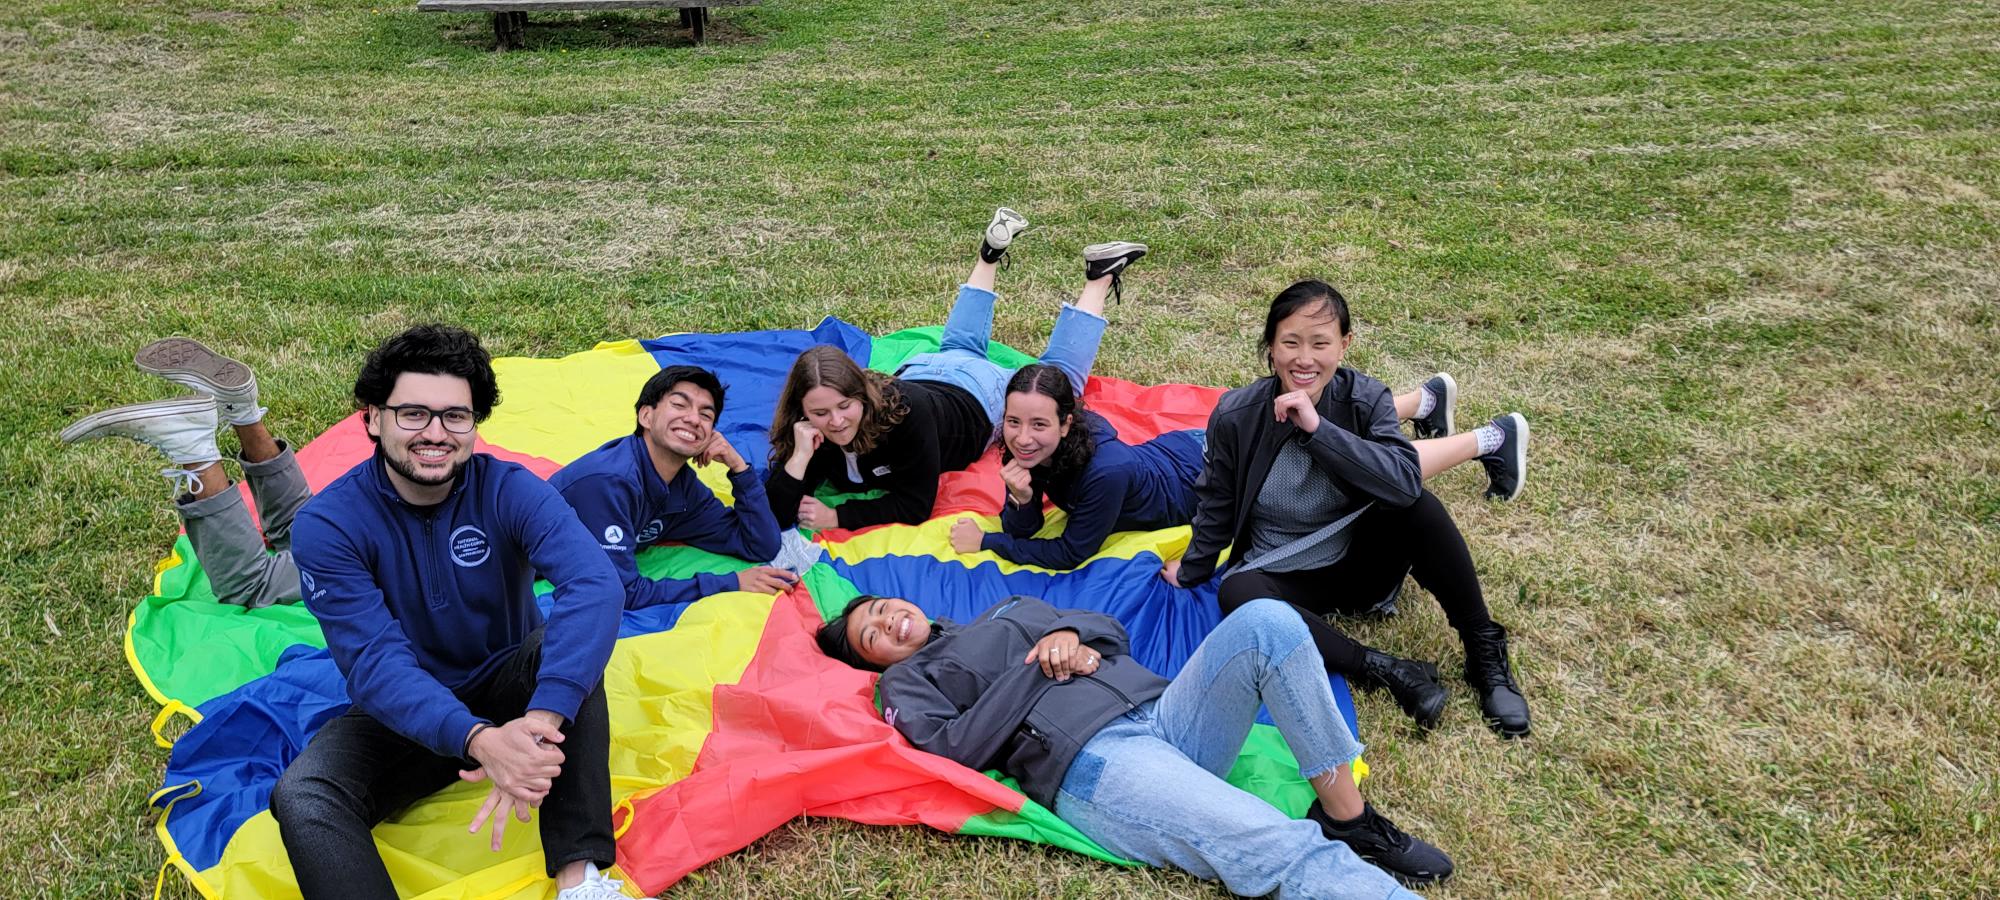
pixel 1134 761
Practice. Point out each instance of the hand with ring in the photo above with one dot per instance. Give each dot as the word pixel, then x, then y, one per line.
pixel 1061 655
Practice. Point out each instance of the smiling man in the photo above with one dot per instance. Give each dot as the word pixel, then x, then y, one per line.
pixel 420 565
pixel 641 489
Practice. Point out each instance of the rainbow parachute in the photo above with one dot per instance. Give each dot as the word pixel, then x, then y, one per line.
pixel 726 720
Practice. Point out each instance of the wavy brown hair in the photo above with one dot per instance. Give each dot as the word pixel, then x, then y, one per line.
pixel 825 365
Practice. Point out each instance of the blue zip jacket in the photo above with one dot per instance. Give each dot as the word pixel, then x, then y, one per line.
pixel 1122 488
pixel 417 602
pixel 620 499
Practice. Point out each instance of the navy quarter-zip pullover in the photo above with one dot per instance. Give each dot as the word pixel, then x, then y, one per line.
pixel 621 500
pixel 1123 488
pixel 418 601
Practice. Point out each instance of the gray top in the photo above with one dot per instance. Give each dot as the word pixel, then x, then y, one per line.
pixel 1297 500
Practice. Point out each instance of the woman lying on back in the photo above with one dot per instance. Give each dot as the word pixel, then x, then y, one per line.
pixel 1136 762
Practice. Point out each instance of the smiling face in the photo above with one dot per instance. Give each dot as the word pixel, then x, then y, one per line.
pixel 836 415
pixel 1306 349
pixel 1032 427
pixel 682 422
pixel 887 630
pixel 423 463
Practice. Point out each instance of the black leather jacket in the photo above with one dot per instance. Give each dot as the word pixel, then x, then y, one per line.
pixel 968 696
pixel 1358 443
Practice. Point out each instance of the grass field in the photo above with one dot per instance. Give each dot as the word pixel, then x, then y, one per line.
pixel 1738 261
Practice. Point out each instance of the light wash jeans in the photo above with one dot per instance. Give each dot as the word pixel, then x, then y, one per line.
pixel 1148 786
pixel 961 360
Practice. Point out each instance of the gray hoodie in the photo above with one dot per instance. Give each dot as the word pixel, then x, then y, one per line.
pixel 968 696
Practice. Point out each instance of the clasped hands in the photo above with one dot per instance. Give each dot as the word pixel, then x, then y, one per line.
pixel 520 760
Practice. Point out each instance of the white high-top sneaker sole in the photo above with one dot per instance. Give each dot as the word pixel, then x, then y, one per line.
pixel 189 363
pixel 183 429
pixel 1005 226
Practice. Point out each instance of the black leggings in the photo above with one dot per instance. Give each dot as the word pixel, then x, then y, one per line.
pixel 1419 539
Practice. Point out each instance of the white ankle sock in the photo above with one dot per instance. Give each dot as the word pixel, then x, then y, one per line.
pixel 1489 437
pixel 1426 401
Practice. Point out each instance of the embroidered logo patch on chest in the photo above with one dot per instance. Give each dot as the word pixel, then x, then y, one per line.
pixel 469 546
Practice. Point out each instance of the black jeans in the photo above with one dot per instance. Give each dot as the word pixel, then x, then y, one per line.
pixel 355 772
pixel 1388 542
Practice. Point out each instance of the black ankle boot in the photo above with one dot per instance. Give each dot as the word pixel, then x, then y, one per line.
pixel 1488 672
pixel 1414 684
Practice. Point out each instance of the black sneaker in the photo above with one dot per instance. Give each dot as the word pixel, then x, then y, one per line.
pixel 1374 838
pixel 1111 259
pixel 1489 672
pixel 1444 401
pixel 1507 465
pixel 1414 684
pixel 1000 234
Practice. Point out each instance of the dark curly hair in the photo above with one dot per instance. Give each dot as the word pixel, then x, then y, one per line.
pixel 1077 446
pixel 428 350
pixel 824 365
pixel 664 381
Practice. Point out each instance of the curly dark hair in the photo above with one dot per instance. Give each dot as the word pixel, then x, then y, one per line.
pixel 1077 446
pixel 429 350
pixel 824 365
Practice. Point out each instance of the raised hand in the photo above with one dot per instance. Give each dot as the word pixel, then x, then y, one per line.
pixel 1019 489
pixel 1296 408
pixel 805 440
pixel 720 450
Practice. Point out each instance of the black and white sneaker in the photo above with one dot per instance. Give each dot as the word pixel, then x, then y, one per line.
pixel 1111 259
pixel 1507 465
pixel 1444 401
pixel 1376 839
pixel 1000 234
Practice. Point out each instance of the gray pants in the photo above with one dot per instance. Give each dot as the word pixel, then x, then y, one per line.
pixel 227 542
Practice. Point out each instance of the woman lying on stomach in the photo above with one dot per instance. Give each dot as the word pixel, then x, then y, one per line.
pixel 1054 698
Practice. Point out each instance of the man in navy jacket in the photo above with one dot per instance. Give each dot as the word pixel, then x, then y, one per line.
pixel 640 490
pixel 420 565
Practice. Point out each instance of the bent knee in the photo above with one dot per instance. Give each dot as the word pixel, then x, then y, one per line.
pixel 301 799
pixel 1272 619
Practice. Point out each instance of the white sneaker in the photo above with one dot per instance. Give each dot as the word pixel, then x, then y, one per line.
pixel 183 429
pixel 594 886
pixel 1000 233
pixel 187 362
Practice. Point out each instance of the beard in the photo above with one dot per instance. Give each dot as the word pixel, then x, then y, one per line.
pixel 406 467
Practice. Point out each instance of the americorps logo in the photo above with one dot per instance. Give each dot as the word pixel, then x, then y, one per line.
pixel 613 534
pixel 469 546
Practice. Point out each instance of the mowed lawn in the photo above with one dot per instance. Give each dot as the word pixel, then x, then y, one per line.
pixel 1735 260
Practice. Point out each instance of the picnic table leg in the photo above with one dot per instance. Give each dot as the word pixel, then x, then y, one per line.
pixel 700 24
pixel 508 29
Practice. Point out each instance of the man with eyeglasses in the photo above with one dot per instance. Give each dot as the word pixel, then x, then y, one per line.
pixel 641 489
pixel 420 565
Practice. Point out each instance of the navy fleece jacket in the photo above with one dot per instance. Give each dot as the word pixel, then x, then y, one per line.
pixel 619 497
pixel 417 602
pixel 1122 488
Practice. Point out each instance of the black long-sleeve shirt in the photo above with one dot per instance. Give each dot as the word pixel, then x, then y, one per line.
pixel 946 430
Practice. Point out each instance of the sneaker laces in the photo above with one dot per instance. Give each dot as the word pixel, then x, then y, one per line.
pixel 1385 832
pixel 594 886
pixel 1118 286
pixel 184 481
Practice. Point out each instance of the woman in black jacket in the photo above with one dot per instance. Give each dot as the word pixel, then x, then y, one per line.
pixel 1053 698
pixel 1309 480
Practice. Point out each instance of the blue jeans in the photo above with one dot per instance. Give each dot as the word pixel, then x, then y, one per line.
pixel 1149 785
pixel 961 355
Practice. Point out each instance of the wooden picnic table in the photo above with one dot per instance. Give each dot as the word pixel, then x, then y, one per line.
pixel 510 17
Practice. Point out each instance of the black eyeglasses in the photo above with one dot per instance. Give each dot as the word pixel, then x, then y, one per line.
pixel 417 417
